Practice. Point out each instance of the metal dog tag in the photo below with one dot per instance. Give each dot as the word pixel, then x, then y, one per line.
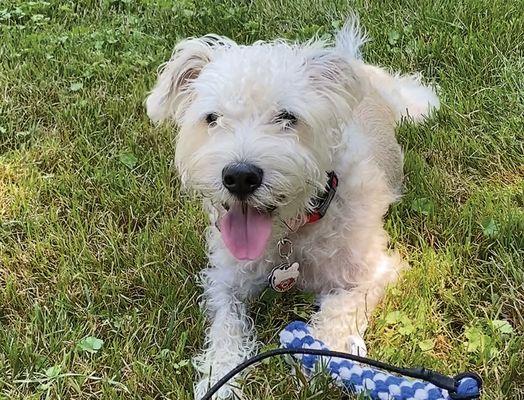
pixel 284 276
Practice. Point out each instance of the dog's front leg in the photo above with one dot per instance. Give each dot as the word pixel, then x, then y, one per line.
pixel 343 316
pixel 230 338
pixel 342 321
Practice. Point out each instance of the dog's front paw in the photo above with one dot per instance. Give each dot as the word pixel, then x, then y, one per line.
pixel 228 391
pixel 338 341
pixel 213 365
pixel 357 346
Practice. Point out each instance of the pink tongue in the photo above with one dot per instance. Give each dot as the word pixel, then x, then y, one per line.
pixel 245 232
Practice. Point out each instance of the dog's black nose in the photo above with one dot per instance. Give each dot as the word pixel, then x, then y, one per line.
pixel 242 179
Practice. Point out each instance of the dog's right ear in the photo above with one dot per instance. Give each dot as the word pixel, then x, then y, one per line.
pixel 173 90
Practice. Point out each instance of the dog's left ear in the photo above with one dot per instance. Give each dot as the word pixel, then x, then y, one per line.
pixel 173 90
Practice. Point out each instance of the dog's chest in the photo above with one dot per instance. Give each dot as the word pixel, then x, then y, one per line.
pixel 325 261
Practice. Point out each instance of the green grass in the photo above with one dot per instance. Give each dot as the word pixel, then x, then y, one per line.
pixel 97 241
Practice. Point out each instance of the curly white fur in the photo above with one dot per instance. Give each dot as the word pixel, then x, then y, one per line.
pixel 347 111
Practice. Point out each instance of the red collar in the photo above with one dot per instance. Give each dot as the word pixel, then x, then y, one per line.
pixel 322 201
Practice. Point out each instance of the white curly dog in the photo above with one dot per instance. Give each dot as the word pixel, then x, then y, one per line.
pixel 274 136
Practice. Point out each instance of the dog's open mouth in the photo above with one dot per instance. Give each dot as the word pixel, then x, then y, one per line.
pixel 245 231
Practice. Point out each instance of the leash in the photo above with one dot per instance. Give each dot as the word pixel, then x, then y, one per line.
pixel 459 387
pixel 350 371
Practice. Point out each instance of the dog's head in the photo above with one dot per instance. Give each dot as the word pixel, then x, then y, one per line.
pixel 258 127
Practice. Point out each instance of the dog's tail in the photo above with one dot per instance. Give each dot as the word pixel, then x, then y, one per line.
pixel 405 95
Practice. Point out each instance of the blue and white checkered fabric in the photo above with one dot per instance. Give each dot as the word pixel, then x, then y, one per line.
pixel 358 378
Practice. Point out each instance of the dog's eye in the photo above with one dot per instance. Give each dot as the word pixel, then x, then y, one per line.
pixel 211 119
pixel 287 118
